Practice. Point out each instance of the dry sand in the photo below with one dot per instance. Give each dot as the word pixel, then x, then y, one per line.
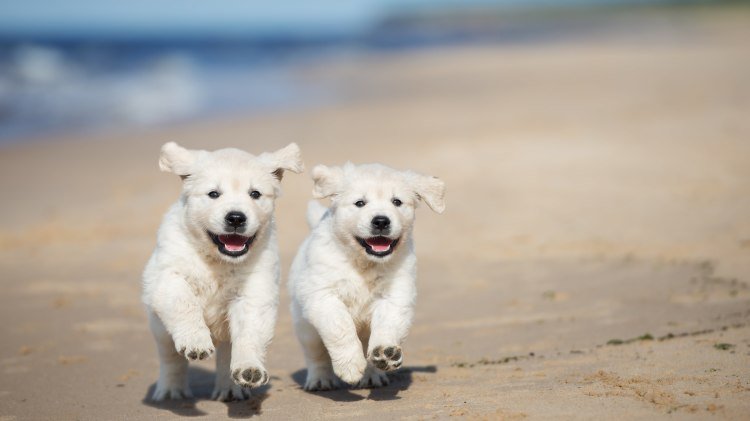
pixel 599 192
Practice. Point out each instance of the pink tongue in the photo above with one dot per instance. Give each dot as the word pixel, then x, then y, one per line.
pixel 233 242
pixel 379 244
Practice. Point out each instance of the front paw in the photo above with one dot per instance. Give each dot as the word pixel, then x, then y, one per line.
pixel 195 348
pixel 250 376
pixel 352 371
pixel 387 358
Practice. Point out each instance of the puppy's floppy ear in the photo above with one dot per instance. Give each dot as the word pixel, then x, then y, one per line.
pixel 176 159
pixel 327 181
pixel 288 158
pixel 430 189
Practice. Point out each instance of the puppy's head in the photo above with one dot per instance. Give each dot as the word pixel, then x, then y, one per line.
pixel 373 205
pixel 228 195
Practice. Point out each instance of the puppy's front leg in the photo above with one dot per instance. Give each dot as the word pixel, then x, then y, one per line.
pixel 336 328
pixel 182 315
pixel 391 319
pixel 252 317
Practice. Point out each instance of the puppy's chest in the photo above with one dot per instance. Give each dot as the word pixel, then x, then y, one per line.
pixel 358 293
pixel 216 293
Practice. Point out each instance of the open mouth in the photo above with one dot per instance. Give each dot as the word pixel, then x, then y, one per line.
pixel 233 245
pixel 378 246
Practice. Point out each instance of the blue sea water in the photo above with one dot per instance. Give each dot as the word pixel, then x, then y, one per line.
pixel 71 87
pixel 76 79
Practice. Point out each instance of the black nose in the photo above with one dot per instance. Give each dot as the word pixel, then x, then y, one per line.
pixel 381 222
pixel 235 219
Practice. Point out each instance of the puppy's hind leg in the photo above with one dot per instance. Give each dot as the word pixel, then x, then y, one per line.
pixel 173 382
pixel 225 389
pixel 320 374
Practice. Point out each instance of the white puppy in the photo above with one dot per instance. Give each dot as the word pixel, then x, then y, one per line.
pixel 213 277
pixel 352 282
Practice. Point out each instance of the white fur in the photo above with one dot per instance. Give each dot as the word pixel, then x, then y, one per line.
pixel 199 299
pixel 349 306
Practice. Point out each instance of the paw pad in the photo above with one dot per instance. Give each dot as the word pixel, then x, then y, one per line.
pixel 196 354
pixel 387 358
pixel 250 377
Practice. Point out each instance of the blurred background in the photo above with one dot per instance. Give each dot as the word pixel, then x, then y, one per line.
pixel 86 65
pixel 595 251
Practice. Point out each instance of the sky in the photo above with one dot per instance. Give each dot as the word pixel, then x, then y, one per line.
pixel 217 17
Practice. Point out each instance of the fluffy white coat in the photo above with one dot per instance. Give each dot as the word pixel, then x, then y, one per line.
pixel 203 295
pixel 353 280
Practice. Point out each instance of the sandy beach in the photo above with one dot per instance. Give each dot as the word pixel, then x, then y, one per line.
pixel 593 261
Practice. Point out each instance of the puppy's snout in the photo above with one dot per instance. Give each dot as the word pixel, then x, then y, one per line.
pixel 381 222
pixel 235 219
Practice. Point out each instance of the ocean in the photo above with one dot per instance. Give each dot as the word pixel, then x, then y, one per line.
pixel 79 82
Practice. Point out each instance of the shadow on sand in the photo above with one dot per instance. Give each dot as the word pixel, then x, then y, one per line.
pixel 201 383
pixel 399 380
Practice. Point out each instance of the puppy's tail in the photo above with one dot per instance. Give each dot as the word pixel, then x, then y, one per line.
pixel 315 212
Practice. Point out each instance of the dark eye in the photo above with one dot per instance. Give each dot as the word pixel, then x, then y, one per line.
pixel 397 202
pixel 360 203
pixel 255 194
pixel 213 194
